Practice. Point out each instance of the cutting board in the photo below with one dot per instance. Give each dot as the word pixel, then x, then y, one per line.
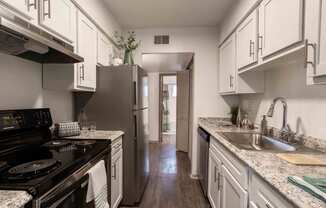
pixel 303 159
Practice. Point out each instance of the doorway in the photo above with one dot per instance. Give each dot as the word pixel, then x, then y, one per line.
pixel 175 109
pixel 168 108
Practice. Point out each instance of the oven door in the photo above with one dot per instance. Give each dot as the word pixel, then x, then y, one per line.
pixel 70 195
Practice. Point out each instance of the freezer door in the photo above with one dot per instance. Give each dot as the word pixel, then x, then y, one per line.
pixel 142 150
pixel 140 85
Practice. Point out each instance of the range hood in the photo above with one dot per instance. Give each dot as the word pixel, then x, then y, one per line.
pixel 24 40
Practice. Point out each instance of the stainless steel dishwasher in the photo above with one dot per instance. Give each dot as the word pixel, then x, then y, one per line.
pixel 203 137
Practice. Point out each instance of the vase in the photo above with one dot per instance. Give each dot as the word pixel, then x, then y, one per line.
pixel 128 59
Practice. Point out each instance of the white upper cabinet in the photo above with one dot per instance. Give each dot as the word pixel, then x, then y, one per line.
pixel 227 69
pixel 24 8
pixel 86 47
pixel 247 41
pixel 229 80
pixel 315 34
pixel 59 17
pixel 104 50
pixel 280 25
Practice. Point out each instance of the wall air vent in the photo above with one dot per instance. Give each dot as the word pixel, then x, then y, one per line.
pixel 161 39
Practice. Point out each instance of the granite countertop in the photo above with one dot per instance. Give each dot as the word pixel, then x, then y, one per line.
pixel 14 199
pixel 270 167
pixel 99 134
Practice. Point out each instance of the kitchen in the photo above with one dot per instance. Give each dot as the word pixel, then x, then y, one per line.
pixel 239 60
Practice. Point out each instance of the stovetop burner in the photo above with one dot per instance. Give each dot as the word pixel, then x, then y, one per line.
pixel 84 143
pixel 57 143
pixel 33 169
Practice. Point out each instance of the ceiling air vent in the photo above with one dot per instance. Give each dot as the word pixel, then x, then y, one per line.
pixel 161 39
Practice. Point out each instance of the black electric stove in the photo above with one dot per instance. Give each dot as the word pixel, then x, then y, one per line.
pixel 30 160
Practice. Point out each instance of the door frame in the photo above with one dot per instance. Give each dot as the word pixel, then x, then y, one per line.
pixel 162 75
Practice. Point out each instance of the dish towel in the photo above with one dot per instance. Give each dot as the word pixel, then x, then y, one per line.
pixel 97 186
pixel 314 186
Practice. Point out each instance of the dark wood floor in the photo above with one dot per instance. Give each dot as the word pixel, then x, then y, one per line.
pixel 170 185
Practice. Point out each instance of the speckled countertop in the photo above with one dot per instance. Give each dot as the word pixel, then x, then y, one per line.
pixel 14 199
pixel 270 167
pixel 99 134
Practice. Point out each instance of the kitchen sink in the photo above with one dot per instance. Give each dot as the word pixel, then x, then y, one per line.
pixel 248 141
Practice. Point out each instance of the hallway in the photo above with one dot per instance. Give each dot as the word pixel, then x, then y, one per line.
pixel 170 185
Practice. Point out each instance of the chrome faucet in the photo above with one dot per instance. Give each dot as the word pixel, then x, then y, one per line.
pixel 286 132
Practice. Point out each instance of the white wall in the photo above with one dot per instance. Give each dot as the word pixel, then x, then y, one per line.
pixel 306 104
pixel 21 87
pixel 203 43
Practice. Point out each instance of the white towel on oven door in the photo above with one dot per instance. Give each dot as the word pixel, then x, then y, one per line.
pixel 97 186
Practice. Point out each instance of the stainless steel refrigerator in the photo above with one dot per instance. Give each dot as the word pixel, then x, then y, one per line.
pixel 121 103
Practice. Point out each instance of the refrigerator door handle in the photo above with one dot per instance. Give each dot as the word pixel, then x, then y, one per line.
pixel 135 93
pixel 135 127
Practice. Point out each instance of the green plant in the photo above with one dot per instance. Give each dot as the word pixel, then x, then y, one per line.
pixel 128 44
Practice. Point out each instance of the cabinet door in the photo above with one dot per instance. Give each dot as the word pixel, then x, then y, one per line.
pixel 281 24
pixel 227 69
pixel 116 180
pixel 233 195
pixel 315 33
pixel 24 8
pixel 262 195
pixel 104 50
pixel 214 179
pixel 87 35
pixel 247 34
pixel 58 16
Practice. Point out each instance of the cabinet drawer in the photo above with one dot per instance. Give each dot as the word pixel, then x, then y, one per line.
pixel 238 169
pixel 263 196
pixel 116 146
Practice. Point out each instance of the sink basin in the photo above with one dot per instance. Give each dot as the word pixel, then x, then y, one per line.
pixel 247 141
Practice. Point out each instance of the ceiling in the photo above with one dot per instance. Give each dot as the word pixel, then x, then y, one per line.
pixel 166 62
pixel 133 14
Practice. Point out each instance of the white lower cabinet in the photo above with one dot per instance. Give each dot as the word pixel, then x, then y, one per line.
pixel 116 173
pixel 231 184
pixel 224 189
pixel 214 175
pixel 233 195
pixel 262 195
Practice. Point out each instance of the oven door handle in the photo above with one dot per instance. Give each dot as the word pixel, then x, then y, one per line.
pixel 53 200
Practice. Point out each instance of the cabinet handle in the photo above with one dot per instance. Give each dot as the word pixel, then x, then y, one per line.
pixel 82 72
pixel 314 62
pixel 114 176
pixel 268 206
pixel 260 44
pixel 47 14
pixel 231 81
pixel 29 5
pixel 219 181
pixel 251 48
pixel 215 178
